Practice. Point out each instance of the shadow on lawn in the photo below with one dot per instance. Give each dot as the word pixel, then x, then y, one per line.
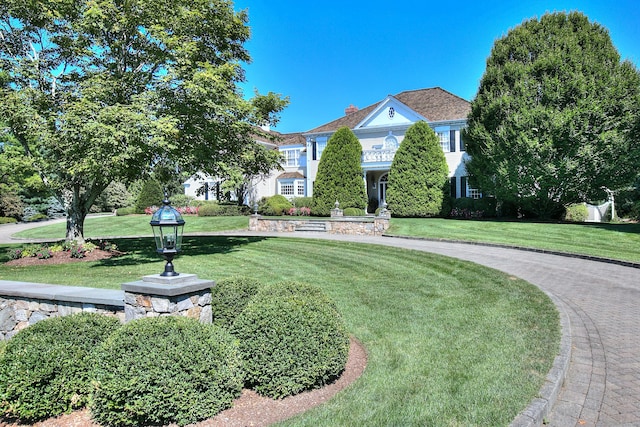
pixel 141 250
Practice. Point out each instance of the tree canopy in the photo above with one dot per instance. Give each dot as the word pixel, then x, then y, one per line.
pixel 551 122
pixel 105 90
pixel 339 175
pixel 418 174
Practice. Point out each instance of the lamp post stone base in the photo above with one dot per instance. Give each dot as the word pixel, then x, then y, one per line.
pixel 156 295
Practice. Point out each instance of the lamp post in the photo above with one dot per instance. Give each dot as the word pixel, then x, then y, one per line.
pixel 167 225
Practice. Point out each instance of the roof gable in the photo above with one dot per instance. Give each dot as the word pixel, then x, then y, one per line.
pixel 389 112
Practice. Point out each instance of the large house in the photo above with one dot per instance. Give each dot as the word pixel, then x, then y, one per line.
pixel 380 127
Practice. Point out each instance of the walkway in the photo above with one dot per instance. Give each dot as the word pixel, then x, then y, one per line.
pixel 601 300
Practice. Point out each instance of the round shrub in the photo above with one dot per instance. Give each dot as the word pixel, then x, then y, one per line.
pixel 125 211
pixel 45 369
pixel 163 370
pixel 7 220
pixel 291 341
pixel 229 297
pixel 274 205
pixel 576 213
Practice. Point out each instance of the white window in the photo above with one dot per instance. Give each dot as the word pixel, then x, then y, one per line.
pixel 291 157
pixel 443 133
pixel 289 187
pixel 443 137
pixel 286 188
pixel 473 193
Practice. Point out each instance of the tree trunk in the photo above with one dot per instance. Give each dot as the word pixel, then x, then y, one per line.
pixel 77 202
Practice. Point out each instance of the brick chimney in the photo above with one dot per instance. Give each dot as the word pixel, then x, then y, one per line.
pixel 350 109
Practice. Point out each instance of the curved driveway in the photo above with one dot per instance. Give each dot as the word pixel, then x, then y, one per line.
pixel 602 301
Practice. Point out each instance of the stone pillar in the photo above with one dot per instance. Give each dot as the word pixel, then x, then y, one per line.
pixel 183 295
pixel 254 222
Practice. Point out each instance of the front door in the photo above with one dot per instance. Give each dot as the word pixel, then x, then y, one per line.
pixel 382 189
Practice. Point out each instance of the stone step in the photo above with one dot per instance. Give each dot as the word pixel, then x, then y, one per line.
pixel 318 226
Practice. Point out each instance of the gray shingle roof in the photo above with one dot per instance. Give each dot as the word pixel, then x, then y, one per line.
pixel 435 104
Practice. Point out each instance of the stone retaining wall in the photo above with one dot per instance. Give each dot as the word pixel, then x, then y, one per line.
pixel 23 304
pixel 336 225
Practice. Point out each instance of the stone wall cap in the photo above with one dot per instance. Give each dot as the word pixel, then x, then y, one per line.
pixel 110 297
pixel 169 288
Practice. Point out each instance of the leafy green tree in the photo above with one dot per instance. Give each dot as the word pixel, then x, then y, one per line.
pixel 418 174
pixel 97 91
pixel 551 122
pixel 339 175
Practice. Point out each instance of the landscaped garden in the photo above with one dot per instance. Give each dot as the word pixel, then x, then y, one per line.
pixel 449 342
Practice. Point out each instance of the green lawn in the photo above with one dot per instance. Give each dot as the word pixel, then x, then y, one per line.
pixel 449 342
pixel 617 241
pixel 135 225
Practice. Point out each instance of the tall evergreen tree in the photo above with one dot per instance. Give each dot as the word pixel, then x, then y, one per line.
pixel 339 175
pixel 418 174
pixel 551 123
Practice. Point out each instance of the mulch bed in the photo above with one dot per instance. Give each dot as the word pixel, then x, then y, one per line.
pixel 62 257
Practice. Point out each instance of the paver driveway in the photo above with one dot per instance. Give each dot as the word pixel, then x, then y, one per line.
pixel 602 301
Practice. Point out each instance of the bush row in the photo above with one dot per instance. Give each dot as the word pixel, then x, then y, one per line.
pixel 278 339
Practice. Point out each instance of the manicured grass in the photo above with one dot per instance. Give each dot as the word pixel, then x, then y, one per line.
pixel 617 241
pixel 134 225
pixel 449 342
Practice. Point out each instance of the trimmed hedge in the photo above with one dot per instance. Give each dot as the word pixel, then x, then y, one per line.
pixel 7 220
pixel 291 339
pixel 45 369
pixel 354 212
pixel 229 297
pixel 163 370
pixel 125 211
pixel 215 209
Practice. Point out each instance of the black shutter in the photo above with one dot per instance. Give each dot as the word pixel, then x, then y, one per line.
pixel 452 141
pixel 453 190
pixel 462 147
pixel 463 186
pixel 314 150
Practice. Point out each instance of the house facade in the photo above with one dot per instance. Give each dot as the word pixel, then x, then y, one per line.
pixel 380 128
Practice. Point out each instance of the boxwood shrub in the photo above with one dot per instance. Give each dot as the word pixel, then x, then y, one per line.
pixel 354 212
pixel 275 205
pixel 163 370
pixel 291 340
pixel 45 369
pixel 216 209
pixel 230 296
pixel 576 213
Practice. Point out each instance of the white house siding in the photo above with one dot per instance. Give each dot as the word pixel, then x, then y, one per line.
pixel 377 127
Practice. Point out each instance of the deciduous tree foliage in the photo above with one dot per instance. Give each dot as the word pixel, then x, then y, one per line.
pixel 339 175
pixel 418 174
pixel 106 90
pixel 551 122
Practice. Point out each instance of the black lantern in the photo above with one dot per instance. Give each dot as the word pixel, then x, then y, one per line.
pixel 167 225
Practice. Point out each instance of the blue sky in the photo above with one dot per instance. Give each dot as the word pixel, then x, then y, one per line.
pixel 328 54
